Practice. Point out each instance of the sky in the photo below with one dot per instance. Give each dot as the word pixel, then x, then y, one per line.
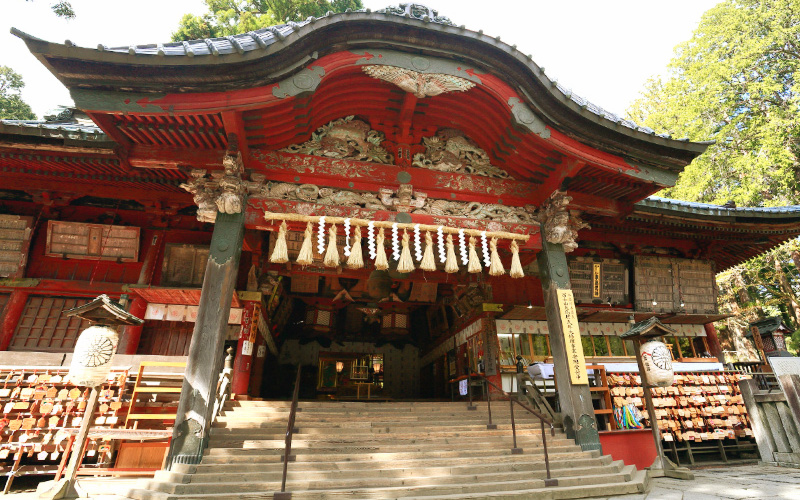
pixel 603 50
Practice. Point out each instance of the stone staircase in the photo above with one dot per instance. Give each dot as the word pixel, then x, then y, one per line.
pixel 408 450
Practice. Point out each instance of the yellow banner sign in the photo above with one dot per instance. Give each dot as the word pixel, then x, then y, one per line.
pixel 596 280
pixel 487 307
pixel 572 337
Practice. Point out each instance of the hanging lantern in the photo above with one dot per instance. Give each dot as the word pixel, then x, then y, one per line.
pixel 94 352
pixel 318 319
pixel 657 362
pixel 395 322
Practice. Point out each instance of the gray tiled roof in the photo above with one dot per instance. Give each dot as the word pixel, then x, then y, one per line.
pixel 716 210
pixel 263 39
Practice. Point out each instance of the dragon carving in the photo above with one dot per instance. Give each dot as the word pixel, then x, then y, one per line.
pixel 345 138
pixel 450 151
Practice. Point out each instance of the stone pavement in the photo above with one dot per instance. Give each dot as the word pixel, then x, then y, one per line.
pixel 739 482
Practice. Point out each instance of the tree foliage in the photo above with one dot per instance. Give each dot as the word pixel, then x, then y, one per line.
pixel 734 82
pixel 230 17
pixel 737 82
pixel 12 107
pixel 62 9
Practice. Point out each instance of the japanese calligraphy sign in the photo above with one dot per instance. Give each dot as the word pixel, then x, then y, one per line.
pixel 572 337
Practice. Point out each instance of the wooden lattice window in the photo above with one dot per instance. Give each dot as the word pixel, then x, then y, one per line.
pixel 184 265
pixel 670 285
pixel 78 240
pixel 44 327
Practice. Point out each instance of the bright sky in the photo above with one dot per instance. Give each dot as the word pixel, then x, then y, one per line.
pixel 603 50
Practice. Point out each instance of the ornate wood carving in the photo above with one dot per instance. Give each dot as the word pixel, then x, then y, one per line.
pixel 419 84
pixel 404 201
pixel 447 151
pixel 222 192
pixel 345 138
pixel 258 206
pixel 450 151
pixel 560 225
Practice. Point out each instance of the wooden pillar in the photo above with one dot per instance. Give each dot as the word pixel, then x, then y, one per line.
pixel 11 315
pixel 243 362
pixel 193 420
pixel 129 339
pixel 575 399
pixel 713 342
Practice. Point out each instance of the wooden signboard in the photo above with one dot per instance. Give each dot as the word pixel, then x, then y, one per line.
pixel 184 265
pixel 79 240
pixel 15 239
pixel 599 281
pixel 572 338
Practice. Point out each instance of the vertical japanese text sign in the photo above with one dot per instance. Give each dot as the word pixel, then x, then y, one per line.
pixel 572 337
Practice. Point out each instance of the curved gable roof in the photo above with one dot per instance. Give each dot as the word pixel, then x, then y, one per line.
pixel 269 55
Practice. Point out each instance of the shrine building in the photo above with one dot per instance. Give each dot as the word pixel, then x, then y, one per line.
pixel 388 200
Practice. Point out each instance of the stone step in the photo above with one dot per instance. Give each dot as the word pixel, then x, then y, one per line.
pixel 297 472
pixel 321 434
pixel 509 489
pixel 527 459
pixel 476 456
pixel 259 448
pixel 609 475
pixel 381 441
pixel 368 428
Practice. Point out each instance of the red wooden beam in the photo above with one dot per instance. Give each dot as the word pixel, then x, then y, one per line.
pixel 171 157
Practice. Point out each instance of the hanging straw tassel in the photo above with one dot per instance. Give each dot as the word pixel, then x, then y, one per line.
pixel 355 261
pixel 332 253
pixel 516 266
pixel 405 264
pixel 381 263
pixel 474 265
pixel 306 255
pixel 450 265
pixel 496 267
pixel 280 254
pixel 428 261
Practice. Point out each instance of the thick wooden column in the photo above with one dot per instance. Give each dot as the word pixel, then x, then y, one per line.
pixel 575 399
pixel 193 421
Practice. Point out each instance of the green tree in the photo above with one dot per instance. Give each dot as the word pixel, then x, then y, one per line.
pixel 737 82
pixel 230 17
pixel 734 82
pixel 12 107
pixel 62 9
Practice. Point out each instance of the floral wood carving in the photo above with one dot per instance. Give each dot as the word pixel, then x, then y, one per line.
pixel 419 84
pixel 404 201
pixel 559 224
pixel 345 138
pixel 223 192
pixel 450 151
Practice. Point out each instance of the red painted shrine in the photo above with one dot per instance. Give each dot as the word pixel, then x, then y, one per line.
pixel 184 159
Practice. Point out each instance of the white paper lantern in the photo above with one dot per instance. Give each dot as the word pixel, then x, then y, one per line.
pixel 94 352
pixel 657 362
